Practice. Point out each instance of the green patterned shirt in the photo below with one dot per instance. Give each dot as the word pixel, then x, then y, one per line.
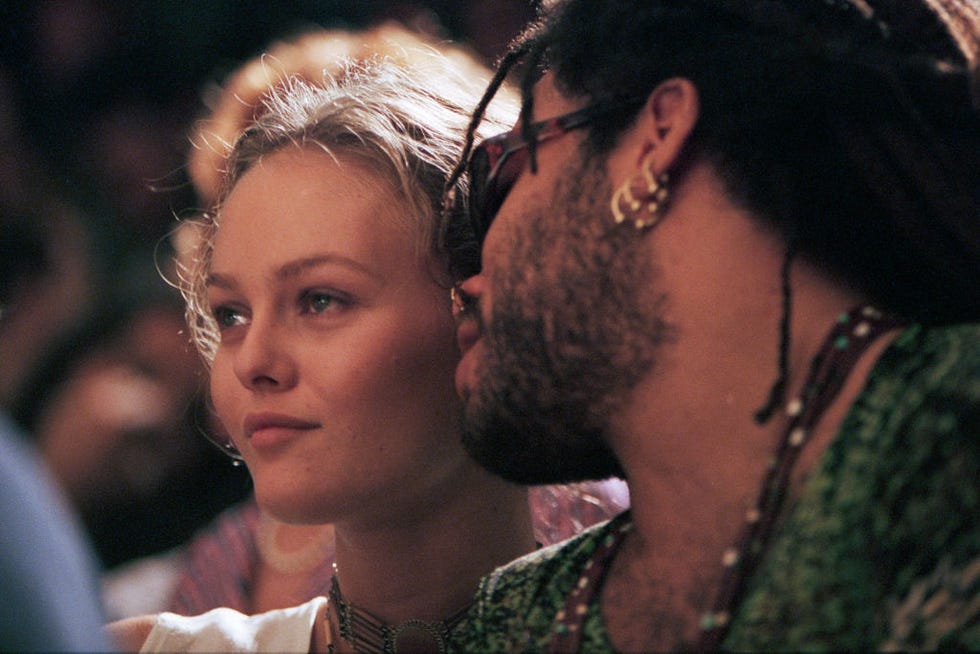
pixel 880 551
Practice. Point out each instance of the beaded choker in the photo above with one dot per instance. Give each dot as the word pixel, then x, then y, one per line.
pixel 368 634
pixel 851 335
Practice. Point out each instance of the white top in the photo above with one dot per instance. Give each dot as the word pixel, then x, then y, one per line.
pixel 226 630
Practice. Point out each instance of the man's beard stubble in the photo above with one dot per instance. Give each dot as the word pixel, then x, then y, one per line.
pixel 573 330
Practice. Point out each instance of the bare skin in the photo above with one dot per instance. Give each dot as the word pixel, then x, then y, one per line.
pixel 129 634
pixel 291 554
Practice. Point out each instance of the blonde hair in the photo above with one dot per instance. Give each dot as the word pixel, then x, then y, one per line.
pixel 405 123
pixel 237 101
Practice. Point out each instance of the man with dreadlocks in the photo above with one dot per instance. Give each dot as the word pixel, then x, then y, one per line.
pixel 734 258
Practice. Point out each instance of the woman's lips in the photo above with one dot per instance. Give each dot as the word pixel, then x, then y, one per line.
pixel 265 430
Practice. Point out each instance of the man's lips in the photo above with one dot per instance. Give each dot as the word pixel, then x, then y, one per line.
pixel 256 422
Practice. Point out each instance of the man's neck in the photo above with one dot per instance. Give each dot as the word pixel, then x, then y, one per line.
pixel 696 458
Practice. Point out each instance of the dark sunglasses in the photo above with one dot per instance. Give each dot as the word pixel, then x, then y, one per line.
pixel 497 162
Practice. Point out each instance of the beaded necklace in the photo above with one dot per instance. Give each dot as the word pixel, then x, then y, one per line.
pixel 851 335
pixel 368 634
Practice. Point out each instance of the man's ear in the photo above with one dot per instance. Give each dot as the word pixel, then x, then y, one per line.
pixel 666 121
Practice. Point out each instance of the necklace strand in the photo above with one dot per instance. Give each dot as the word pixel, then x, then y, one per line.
pixel 368 634
pixel 851 335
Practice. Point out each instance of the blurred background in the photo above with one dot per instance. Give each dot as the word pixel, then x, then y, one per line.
pixel 97 102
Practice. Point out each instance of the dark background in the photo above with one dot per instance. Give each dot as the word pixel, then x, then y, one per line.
pixel 104 90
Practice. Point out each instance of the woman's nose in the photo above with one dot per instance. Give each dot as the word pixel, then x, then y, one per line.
pixel 262 361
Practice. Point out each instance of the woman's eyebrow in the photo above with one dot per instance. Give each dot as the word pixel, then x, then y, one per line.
pixel 293 269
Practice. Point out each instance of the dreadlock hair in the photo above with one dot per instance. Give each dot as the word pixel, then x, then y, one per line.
pixel 455 236
pixel 846 126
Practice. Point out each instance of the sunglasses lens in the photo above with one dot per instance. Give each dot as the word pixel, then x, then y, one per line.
pixel 491 179
pixel 479 171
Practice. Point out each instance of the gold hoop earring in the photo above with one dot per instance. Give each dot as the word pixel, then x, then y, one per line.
pixel 623 194
pixel 656 193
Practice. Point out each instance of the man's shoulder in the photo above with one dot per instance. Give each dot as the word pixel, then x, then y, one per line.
pixel 517 603
pixel 557 563
pixel 924 389
pixel 911 436
pixel 887 526
pixel 937 358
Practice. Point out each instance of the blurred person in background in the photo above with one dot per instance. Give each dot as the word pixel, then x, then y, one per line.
pixel 49 593
pixel 95 369
pixel 42 219
pixel 116 412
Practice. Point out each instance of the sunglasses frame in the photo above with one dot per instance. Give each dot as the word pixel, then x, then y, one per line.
pixel 489 190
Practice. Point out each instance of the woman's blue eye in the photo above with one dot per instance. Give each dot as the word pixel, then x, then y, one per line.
pixel 319 302
pixel 227 317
